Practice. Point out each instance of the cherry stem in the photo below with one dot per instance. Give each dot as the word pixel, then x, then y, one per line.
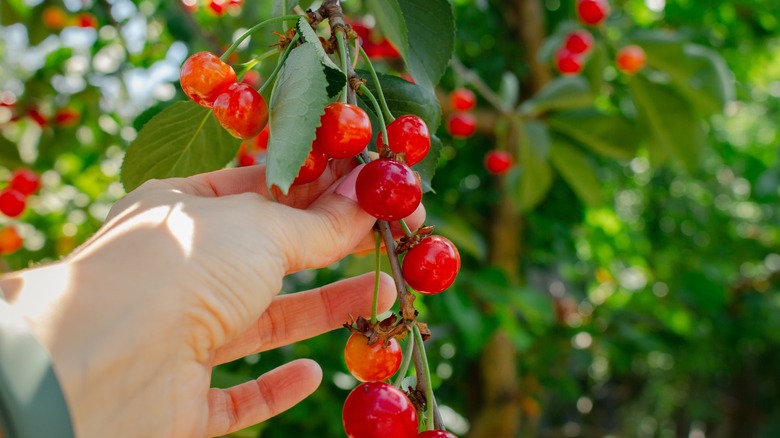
pixel 279 65
pixel 377 110
pixel 470 77
pixel 407 359
pixel 405 227
pixel 430 401
pixel 341 37
pixel 253 29
pixel 377 268
pixel 249 65
pixel 385 109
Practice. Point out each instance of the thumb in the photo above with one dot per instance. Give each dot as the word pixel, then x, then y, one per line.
pixel 330 228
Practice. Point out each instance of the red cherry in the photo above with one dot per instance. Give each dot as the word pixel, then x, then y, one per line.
pixel 498 162
pixel 407 135
pixel 388 189
pixel 578 42
pixel 462 99
pixel 204 77
pixel 24 181
pixel 344 131
pixel 261 141
pixel 10 240
pixel 246 159
pixel 370 363
pixel 312 168
pixel 241 110
pixel 436 434
pixel 379 410
pixel 592 12
pixel 462 125
pixel 54 17
pixel 66 117
pixel 12 203
pixel 568 63
pixel 630 59
pixel 85 19
pixel 432 265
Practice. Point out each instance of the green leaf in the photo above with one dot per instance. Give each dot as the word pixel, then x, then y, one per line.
pixel 427 167
pixel 575 168
pixel 9 154
pixel 509 90
pixel 560 94
pixel 297 104
pixel 404 97
pixel 673 127
pixel 534 181
pixel 182 140
pixel 391 20
pixel 431 33
pixel 609 135
pixel 334 75
pixel 697 72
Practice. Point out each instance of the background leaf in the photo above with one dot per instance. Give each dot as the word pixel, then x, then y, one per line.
pixel 297 104
pixel 183 140
pixel 559 94
pixel 431 25
pixel 9 154
pixel 609 135
pixel 391 20
pixel 535 179
pixel 574 167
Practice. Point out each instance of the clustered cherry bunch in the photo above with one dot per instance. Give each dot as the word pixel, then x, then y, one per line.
pixel 386 188
pixel 571 56
pixel 13 202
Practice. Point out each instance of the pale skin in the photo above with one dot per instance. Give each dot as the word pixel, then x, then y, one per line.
pixel 184 276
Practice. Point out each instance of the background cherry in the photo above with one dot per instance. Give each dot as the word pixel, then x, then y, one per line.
pixel 409 135
pixel 24 181
pixel 379 410
pixel 462 125
pixel 498 162
pixel 10 240
pixel 578 42
pixel 370 363
pixel 432 265
pixel 388 189
pixel 12 203
pixel 241 110
pixel 462 99
pixel 630 59
pixel 568 63
pixel 592 12
pixel 345 130
pixel 204 76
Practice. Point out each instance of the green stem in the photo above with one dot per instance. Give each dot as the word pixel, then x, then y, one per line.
pixel 405 227
pixel 429 400
pixel 284 11
pixel 254 29
pixel 377 110
pixel 341 37
pixel 279 65
pixel 375 78
pixel 249 65
pixel 407 359
pixel 377 268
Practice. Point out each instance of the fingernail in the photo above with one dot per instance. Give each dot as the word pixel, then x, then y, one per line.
pixel 347 187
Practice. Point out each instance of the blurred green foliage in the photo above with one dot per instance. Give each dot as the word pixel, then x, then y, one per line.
pixel 653 313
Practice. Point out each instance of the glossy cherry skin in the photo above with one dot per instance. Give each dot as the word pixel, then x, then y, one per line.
pixel 370 363
pixel 312 168
pixel 578 42
pixel 24 181
pixel 592 12
pixel 568 63
pixel 432 265
pixel 498 162
pixel 344 131
pixel 436 434
pixel 462 99
pixel 462 125
pixel 388 189
pixel 12 203
pixel 204 76
pixel 630 59
pixel 407 135
pixel 10 240
pixel 379 410
pixel 241 110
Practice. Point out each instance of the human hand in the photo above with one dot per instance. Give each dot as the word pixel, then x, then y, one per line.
pixel 184 276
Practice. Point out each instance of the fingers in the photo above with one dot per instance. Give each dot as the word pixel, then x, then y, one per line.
pixel 255 401
pixel 295 317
